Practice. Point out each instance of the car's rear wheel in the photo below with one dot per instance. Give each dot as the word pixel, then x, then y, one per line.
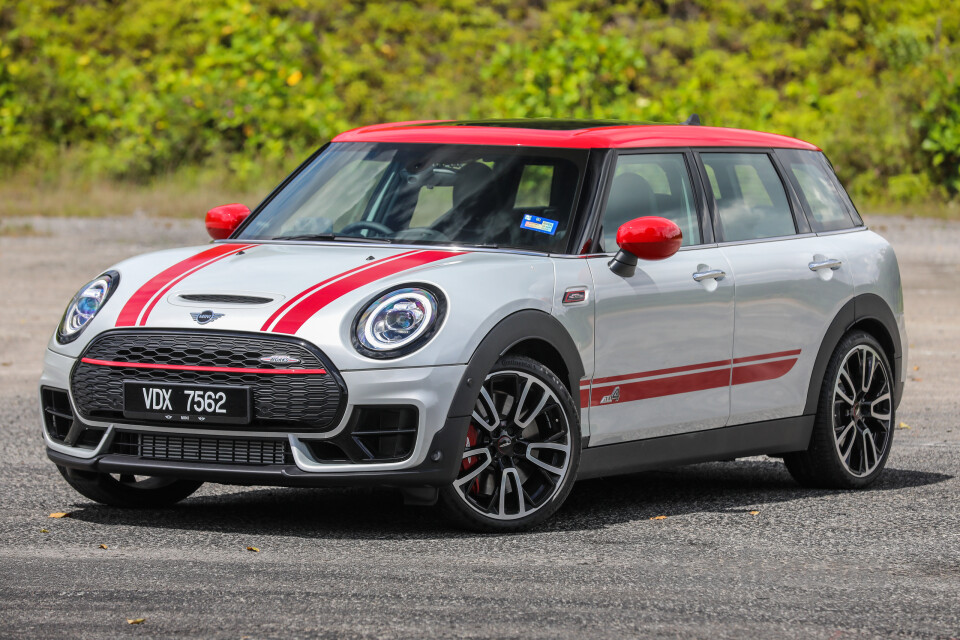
pixel 122 490
pixel 853 430
pixel 521 453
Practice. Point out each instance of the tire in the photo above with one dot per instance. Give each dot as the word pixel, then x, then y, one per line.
pixel 525 439
pixel 853 429
pixel 128 491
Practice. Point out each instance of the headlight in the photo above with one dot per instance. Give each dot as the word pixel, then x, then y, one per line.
pixel 85 305
pixel 398 322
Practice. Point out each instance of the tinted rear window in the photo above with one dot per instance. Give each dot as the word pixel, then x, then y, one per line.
pixel 750 197
pixel 818 189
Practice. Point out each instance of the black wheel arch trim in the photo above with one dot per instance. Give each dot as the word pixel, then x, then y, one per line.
pixel 508 333
pixel 865 307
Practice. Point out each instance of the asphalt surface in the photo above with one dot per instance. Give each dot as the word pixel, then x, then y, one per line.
pixel 884 562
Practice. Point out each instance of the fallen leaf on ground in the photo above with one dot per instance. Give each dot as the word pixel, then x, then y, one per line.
pixel 136 620
pixel 59 514
pixel 255 549
pixel 44 531
pixel 659 518
pixel 904 425
pixel 754 513
pixel 916 368
pixel 103 546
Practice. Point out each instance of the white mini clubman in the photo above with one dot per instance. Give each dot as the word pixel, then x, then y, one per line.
pixel 482 312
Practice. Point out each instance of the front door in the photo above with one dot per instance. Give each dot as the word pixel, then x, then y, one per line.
pixel 664 336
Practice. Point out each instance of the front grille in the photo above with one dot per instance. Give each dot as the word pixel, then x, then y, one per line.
pixel 219 298
pixel 202 449
pixel 304 402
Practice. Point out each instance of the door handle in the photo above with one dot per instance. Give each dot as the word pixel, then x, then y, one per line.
pixel 827 263
pixel 715 274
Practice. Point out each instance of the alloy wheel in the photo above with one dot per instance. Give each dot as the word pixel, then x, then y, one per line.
pixel 518 447
pixel 862 409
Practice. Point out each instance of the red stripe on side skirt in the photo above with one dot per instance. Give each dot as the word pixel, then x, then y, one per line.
pixel 184 367
pixel 308 306
pixel 767 356
pixel 297 298
pixel 761 372
pixel 663 372
pixel 153 288
pixel 646 389
pixel 700 381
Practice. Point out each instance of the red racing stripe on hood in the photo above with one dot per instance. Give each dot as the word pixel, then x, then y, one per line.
pixel 140 304
pixel 334 288
pixel 300 296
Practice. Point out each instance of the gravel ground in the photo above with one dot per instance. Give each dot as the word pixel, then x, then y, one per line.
pixel 357 564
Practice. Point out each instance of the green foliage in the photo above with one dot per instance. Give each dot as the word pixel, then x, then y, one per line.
pixel 134 90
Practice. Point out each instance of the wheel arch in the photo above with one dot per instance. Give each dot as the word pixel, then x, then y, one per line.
pixel 531 333
pixel 867 312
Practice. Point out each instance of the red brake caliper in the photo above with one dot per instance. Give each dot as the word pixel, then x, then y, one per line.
pixel 472 437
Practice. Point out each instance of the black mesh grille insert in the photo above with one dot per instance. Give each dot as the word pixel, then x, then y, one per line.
pixel 203 449
pixel 218 298
pixel 303 402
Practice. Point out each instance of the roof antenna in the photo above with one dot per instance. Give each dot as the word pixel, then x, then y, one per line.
pixel 694 120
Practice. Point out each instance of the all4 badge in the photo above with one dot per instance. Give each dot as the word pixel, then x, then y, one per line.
pixel 613 397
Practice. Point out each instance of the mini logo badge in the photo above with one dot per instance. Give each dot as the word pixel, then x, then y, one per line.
pixel 205 317
pixel 279 359
pixel 613 397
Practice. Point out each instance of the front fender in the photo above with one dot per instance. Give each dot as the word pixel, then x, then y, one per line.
pixel 515 328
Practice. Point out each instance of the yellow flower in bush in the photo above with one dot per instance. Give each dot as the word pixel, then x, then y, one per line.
pixel 294 78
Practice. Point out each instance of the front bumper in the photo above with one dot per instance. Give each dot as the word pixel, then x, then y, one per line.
pixel 439 469
pixel 434 460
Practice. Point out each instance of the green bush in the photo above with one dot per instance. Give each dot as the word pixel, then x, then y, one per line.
pixel 135 90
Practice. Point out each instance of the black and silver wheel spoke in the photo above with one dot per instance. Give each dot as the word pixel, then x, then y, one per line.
pixel 862 408
pixel 518 450
pixel 485 414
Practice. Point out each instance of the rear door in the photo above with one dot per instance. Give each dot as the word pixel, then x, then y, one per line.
pixel 664 336
pixel 790 282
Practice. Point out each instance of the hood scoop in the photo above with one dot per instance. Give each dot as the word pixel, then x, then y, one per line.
pixel 223 298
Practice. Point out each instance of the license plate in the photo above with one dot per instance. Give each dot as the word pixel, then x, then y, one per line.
pixel 186 403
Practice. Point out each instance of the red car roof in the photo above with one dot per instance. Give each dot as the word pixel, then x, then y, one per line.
pixel 568 134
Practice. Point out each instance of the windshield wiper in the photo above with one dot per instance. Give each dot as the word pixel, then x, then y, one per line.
pixel 332 236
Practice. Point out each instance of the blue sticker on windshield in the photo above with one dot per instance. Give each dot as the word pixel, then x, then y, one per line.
pixel 536 223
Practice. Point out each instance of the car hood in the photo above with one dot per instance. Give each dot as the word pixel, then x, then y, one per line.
pixel 313 290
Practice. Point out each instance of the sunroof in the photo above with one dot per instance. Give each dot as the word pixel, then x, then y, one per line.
pixel 551 124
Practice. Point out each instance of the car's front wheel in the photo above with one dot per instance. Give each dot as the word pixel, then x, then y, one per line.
pixel 521 453
pixel 124 490
pixel 853 429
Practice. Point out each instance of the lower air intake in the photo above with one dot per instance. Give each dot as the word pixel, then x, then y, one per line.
pixel 199 449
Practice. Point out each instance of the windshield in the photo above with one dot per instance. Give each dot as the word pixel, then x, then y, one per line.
pixel 428 194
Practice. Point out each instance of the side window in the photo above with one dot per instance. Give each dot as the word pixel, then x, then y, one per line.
pixel 810 176
pixel 651 184
pixel 752 203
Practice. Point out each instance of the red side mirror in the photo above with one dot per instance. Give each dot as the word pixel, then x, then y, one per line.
pixel 650 238
pixel 222 221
